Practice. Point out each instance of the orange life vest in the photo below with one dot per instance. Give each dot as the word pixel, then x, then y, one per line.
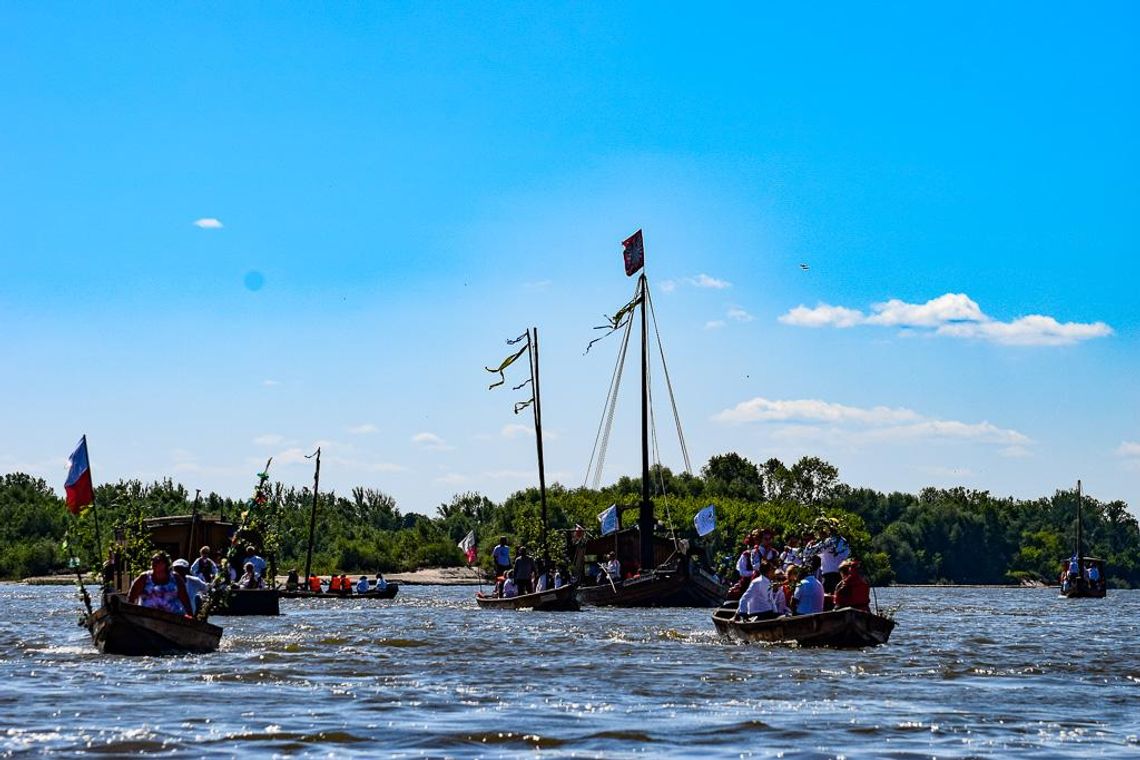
pixel 334 583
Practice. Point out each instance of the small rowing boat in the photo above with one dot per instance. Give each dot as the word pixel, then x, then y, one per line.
pixel 842 628
pixel 552 600
pixel 387 593
pixel 130 629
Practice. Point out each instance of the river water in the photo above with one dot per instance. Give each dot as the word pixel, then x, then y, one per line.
pixel 968 672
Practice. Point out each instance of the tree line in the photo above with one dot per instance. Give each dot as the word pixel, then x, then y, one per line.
pixel 954 535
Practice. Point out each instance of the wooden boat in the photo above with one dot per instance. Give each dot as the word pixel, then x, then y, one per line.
pixel 842 628
pixel 563 598
pixel 551 600
pixel 388 593
pixel 656 571
pixel 660 587
pixel 129 629
pixel 1079 586
pixel 249 601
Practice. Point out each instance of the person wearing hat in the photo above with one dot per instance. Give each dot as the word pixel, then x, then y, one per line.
pixel 501 556
pixel 160 589
pixel 779 592
pixel 852 590
pixel 196 588
pixel 808 597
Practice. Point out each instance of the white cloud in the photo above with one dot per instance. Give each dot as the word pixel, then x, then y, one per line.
pixel 740 315
pixel 452 479
pixel 1015 452
pixel 269 439
pixel 714 324
pixel 813 410
pixel 270 383
pixel 813 419
pixel 364 429
pixel 823 316
pixel 208 223
pixel 292 455
pixel 667 286
pixel 953 315
pixel 514 430
pixel 1128 449
pixel 704 281
pixel 431 442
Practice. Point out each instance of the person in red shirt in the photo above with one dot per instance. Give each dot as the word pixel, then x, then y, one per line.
pixel 852 590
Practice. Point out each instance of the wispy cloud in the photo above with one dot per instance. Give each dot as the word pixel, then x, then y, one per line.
pixel 705 281
pixel 738 314
pixel 364 429
pixel 714 324
pixel 431 442
pixel 452 479
pixel 701 280
pixel 823 420
pixel 514 430
pixel 953 315
pixel 269 439
pixel 1128 449
pixel 270 383
pixel 208 223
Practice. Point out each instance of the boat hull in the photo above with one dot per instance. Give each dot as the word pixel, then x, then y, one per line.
pixel 562 599
pixel 388 593
pixel 1084 591
pixel 129 629
pixel 656 589
pixel 248 601
pixel 844 628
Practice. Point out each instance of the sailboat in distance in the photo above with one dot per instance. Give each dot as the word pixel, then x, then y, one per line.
pixel 647 569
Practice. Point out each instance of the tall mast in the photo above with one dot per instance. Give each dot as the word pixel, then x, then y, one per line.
pixel 1079 536
pixel 533 343
pixel 313 518
pixel 645 517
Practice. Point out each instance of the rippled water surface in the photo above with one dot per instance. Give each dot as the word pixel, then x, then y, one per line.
pixel 968 672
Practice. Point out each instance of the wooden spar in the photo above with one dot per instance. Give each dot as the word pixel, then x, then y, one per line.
pixel 645 519
pixel 532 342
pixel 313 518
pixel 1079 536
pixel 193 524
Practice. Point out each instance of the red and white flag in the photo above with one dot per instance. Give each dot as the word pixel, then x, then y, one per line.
pixel 467 545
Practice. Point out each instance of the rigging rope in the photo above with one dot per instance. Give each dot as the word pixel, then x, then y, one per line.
pixel 669 386
pixel 602 439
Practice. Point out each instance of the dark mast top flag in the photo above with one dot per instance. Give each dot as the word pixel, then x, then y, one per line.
pixel 80 492
pixel 634 252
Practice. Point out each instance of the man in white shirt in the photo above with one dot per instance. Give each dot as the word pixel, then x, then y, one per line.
pixel 259 563
pixel 196 588
pixel 744 566
pixel 756 601
pixel 204 567
pixel 613 568
pixel 833 550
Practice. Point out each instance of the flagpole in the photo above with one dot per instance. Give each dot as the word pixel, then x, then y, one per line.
pixel 94 510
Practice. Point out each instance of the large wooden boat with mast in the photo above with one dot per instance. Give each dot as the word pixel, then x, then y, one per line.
pixel 550 599
pixel 656 571
pixel 1078 582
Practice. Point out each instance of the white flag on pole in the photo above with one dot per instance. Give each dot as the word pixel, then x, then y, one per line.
pixel 705 521
pixel 609 520
pixel 467 546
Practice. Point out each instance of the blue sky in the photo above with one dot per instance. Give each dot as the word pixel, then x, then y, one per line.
pixel 235 231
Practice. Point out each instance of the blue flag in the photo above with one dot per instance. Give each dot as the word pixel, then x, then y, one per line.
pixel 609 520
pixel 705 521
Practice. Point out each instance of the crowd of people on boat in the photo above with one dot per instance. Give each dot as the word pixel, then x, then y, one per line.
pixel 1085 574
pixel 526 575
pixel 811 571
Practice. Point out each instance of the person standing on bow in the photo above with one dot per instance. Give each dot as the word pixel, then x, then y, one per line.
pixel 501 556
